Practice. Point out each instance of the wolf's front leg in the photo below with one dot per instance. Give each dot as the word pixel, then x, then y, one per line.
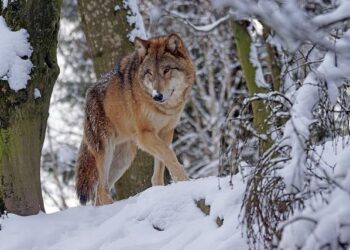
pixel 159 167
pixel 152 143
pixel 158 173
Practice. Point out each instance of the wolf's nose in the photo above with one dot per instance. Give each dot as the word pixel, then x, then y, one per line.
pixel 158 97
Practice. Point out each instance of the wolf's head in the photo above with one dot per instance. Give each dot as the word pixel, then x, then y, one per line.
pixel 166 71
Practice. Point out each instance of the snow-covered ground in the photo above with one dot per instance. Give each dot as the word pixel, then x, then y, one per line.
pixel 158 218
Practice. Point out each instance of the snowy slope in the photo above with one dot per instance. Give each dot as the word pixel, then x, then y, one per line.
pixel 159 218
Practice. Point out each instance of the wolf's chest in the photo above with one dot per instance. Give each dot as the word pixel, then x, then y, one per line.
pixel 160 119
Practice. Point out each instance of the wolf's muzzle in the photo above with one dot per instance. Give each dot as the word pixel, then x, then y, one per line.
pixel 158 97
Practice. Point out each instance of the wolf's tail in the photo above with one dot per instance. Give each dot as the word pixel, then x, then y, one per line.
pixel 85 174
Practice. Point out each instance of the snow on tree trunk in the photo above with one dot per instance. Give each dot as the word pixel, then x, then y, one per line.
pixel 108 25
pixel 23 114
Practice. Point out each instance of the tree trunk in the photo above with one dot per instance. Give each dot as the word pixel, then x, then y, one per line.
pixel 106 32
pixel 260 113
pixel 23 118
pixel 273 61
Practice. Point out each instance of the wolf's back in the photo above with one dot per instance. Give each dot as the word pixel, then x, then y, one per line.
pixel 86 174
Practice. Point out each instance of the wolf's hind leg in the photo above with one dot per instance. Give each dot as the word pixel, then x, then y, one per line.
pixel 104 160
pixel 123 156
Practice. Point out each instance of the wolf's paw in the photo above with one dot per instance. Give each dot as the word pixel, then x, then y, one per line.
pixel 157 181
pixel 104 200
pixel 181 176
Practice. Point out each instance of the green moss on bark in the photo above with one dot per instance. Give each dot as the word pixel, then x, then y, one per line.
pixel 20 156
pixel 260 113
pixel 22 117
pixel 2 203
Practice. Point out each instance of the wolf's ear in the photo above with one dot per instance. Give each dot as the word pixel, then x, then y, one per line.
pixel 141 46
pixel 174 44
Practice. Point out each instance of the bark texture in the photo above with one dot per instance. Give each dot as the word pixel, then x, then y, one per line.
pixel 106 33
pixel 273 61
pixel 23 118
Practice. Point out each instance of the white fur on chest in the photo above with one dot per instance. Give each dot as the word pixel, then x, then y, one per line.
pixel 159 120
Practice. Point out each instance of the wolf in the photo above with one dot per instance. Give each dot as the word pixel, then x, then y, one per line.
pixel 138 104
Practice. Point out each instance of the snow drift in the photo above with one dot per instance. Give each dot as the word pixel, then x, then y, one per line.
pixel 158 218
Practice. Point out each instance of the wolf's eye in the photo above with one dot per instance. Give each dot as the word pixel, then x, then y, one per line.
pixel 148 72
pixel 166 70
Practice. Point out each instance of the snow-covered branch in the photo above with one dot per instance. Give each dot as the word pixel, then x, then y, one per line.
pixel 202 28
pixel 298 27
